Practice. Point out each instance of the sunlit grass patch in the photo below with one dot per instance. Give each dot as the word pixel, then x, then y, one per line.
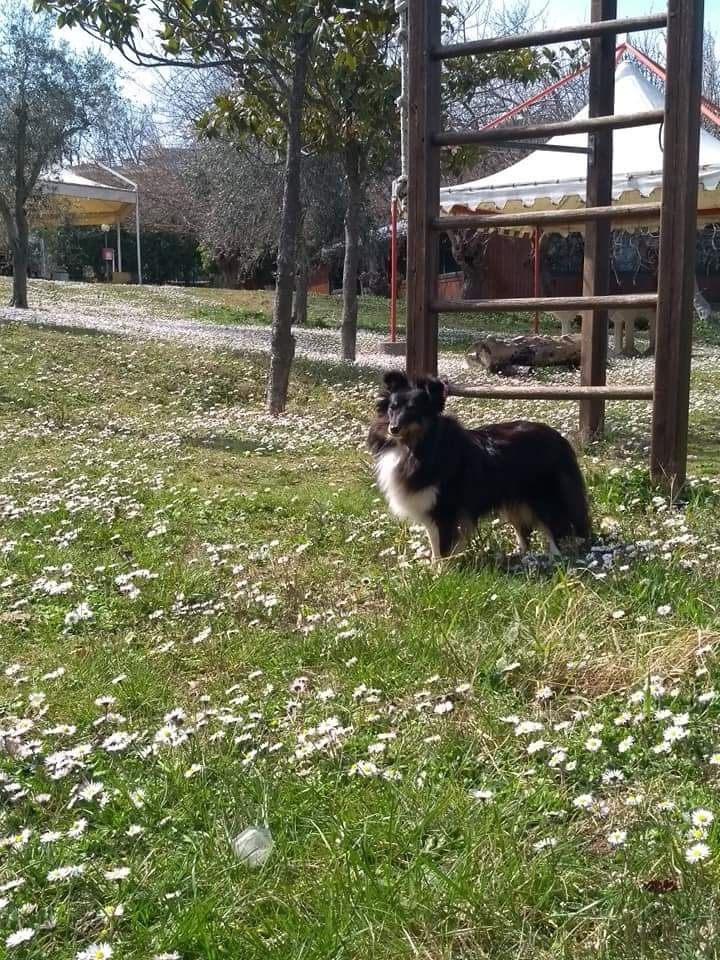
pixel 209 622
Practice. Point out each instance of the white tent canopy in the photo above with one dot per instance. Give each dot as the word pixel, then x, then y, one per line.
pixel 547 180
pixel 88 202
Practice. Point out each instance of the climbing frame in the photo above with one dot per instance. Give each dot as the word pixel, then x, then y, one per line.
pixel 680 121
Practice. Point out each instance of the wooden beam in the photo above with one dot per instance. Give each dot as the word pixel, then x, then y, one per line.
pixel 610 302
pixel 678 225
pixel 542 37
pixel 593 124
pixel 526 218
pixel 542 147
pixel 423 201
pixel 596 263
pixel 552 392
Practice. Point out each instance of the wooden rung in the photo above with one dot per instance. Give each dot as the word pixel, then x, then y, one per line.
pixel 543 147
pixel 630 211
pixel 552 392
pixel 611 302
pixel 542 37
pixel 453 138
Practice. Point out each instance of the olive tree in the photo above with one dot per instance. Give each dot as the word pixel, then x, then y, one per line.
pixel 49 98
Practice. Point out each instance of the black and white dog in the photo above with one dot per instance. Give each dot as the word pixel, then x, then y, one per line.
pixel 436 473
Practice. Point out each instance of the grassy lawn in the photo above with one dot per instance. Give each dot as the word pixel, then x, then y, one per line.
pixel 208 622
pixel 325 312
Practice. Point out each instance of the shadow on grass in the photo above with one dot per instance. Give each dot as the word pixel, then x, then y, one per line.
pixel 61 328
pixel 534 565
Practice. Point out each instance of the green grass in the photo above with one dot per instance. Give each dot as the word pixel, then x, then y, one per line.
pixel 325 312
pixel 262 545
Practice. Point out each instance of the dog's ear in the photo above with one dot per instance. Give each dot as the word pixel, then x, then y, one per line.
pixel 396 380
pixel 437 389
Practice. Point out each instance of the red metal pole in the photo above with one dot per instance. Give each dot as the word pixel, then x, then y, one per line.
pixel 393 270
pixel 534 99
pixel 536 275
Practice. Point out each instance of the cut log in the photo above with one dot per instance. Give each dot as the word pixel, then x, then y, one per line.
pixel 496 354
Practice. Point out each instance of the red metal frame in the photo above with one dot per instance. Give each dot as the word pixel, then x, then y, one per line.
pixel 535 98
pixel 536 276
pixel 706 108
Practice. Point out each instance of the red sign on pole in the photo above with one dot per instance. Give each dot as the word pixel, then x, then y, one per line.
pixel 107 253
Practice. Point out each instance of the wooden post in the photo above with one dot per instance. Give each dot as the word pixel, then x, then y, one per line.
pixel 423 202
pixel 678 226
pixel 393 268
pixel 596 267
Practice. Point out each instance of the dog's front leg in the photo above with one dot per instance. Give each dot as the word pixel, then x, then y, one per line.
pixel 433 532
pixel 444 537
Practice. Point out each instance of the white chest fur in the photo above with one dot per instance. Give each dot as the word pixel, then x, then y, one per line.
pixel 413 505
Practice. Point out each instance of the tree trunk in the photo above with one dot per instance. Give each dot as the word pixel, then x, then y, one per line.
pixel 21 257
pixel 282 342
pixel 374 278
pixel 302 277
pixel 227 272
pixel 352 250
pixel 498 354
pixel 468 248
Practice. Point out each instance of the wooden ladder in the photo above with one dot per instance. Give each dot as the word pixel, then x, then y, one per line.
pixel 677 212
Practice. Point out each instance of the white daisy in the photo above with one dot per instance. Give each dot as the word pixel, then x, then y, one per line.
pixel 545 843
pixel 96 951
pixel 674 733
pixel 364 768
pixel 65 873
pixel 613 776
pixel 697 852
pixel 702 818
pixel 617 838
pixel 446 706
pixel 527 726
pixel 482 794
pixel 20 936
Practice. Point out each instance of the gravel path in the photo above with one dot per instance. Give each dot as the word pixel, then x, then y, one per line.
pixel 160 313
pixel 311 343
